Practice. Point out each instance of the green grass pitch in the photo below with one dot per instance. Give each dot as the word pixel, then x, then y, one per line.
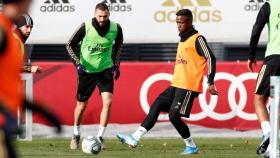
pixel 149 148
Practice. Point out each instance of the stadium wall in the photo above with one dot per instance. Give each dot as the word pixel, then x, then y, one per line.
pixel 140 84
pixel 148 52
pixel 146 21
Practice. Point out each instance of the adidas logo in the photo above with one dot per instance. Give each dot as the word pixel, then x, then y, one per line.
pixel 114 1
pixel 57 6
pixel 203 11
pixel 118 5
pixel 187 3
pixel 257 1
pixel 254 5
pixel 56 1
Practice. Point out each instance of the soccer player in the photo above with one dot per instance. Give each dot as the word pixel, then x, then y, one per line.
pixel 268 14
pixel 11 95
pixel 10 82
pixel 193 56
pixel 97 64
pixel 24 25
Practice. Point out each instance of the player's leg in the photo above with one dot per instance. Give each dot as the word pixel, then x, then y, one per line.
pixel 260 102
pixel 104 116
pixel 4 152
pixel 181 106
pixel 162 103
pixel 262 94
pixel 86 85
pixel 7 150
pixel 8 129
pixel 78 114
pixel 106 110
pixel 106 87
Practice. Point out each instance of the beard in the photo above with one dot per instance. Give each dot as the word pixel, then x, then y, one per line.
pixel 26 35
pixel 102 24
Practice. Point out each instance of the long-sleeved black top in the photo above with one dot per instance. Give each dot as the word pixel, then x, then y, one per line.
pixel 203 50
pixel 261 21
pixel 80 33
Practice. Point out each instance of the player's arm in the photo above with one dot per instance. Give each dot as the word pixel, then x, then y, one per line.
pixel 3 40
pixel 117 53
pixel 41 110
pixel 75 39
pixel 204 50
pixel 262 19
pixel 118 47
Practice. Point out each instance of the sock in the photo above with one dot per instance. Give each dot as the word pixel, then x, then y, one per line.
pixel 101 131
pixel 265 127
pixel 138 134
pixel 76 130
pixel 189 142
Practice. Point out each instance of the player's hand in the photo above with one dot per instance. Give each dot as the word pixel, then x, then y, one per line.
pixel 116 72
pixel 212 90
pixel 36 69
pixel 80 69
pixel 251 64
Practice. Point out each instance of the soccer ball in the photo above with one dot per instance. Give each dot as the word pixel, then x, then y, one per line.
pixel 91 145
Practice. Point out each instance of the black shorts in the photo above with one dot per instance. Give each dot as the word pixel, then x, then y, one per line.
pixel 87 83
pixel 178 100
pixel 263 80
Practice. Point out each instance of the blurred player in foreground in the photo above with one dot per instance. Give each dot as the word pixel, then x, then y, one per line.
pixel 24 25
pixel 268 14
pixel 11 94
pixel 97 64
pixel 193 56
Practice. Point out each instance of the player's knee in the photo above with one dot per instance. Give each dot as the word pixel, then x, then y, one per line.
pixel 156 106
pixel 260 99
pixel 81 105
pixel 107 103
pixel 173 116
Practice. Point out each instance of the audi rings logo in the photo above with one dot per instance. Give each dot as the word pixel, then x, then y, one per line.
pixel 208 109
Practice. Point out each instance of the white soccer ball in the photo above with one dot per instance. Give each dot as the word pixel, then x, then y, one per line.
pixel 91 145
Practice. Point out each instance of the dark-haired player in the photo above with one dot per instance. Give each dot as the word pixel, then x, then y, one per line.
pixel 193 56
pixel 97 64
pixel 24 26
pixel 269 14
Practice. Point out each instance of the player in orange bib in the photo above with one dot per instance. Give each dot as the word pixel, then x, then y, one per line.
pixel 11 97
pixel 193 56
pixel 10 57
pixel 11 93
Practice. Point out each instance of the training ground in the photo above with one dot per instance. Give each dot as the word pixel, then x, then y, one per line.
pixel 161 142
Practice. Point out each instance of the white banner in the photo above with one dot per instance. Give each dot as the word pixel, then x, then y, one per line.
pixel 147 21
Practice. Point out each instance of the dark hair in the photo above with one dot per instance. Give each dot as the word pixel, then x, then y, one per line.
pixel 9 1
pixel 101 6
pixel 185 12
